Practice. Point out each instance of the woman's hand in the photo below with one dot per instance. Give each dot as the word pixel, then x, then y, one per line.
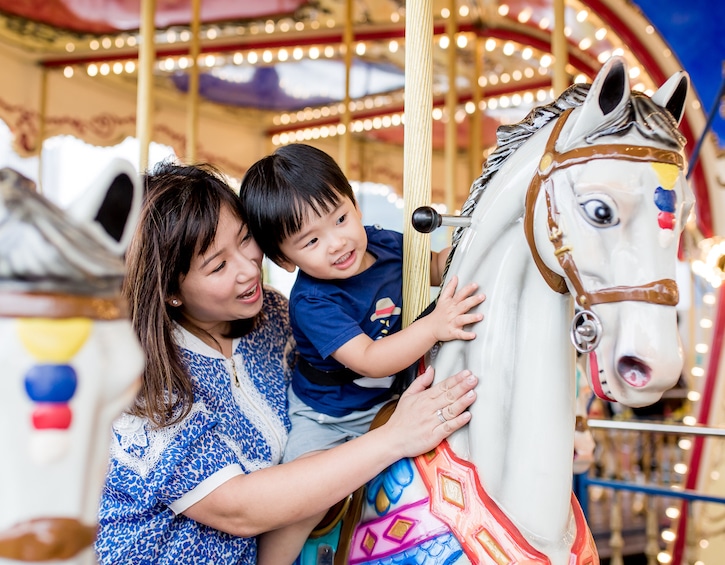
pixel 427 415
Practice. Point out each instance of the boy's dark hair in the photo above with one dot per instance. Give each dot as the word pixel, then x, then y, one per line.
pixel 278 190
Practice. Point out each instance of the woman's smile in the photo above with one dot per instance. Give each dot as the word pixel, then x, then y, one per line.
pixel 251 295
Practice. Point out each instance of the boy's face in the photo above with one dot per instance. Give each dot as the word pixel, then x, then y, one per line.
pixel 329 247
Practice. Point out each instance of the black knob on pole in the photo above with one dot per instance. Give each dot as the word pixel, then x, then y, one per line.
pixel 426 219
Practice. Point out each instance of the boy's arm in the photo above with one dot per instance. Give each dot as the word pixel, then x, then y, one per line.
pixel 393 353
pixel 437 265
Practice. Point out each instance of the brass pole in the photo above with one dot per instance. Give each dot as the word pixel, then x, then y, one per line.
pixel 559 50
pixel 451 147
pixel 144 92
pixel 616 539
pixel 417 148
pixel 192 112
pixel 344 158
pixel 42 115
pixel 476 155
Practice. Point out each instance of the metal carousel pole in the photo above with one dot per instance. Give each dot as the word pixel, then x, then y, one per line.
pixel 192 112
pixel 345 138
pixel 559 49
pixel 451 146
pixel 144 93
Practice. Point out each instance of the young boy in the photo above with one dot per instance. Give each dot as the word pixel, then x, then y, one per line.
pixel 302 212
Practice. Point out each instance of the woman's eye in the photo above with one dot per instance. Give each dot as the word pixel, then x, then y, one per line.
pixel 599 213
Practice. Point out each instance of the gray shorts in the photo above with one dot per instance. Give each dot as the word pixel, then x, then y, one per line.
pixel 314 431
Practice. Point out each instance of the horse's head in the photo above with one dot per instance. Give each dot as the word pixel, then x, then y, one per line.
pixel 604 212
pixel 71 361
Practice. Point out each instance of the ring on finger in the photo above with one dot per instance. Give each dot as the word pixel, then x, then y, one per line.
pixel 441 417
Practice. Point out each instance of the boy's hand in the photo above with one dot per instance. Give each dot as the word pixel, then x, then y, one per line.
pixel 452 311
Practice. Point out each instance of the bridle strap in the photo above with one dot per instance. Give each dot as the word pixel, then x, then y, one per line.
pixel 659 292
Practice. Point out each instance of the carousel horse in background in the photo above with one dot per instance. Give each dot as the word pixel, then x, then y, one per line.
pixel 572 232
pixel 70 360
pixel 584 444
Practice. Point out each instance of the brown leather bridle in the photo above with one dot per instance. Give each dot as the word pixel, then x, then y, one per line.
pixel 657 292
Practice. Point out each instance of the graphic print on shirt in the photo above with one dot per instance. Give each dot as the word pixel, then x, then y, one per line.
pixel 384 309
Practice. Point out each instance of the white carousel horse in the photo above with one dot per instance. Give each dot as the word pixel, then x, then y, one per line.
pixel 70 360
pixel 586 196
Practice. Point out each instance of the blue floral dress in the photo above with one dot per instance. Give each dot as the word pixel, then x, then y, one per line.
pixel 238 424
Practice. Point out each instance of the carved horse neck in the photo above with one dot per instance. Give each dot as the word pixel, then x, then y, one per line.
pixel 526 366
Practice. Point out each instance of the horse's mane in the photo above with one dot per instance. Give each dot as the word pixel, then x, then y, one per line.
pixel 652 121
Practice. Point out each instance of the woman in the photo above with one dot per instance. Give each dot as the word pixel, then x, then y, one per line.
pixel 194 472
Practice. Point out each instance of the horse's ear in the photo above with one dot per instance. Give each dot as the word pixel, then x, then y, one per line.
pixel 609 91
pixel 673 94
pixel 111 205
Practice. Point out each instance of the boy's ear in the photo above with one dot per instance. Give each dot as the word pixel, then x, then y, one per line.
pixel 286 265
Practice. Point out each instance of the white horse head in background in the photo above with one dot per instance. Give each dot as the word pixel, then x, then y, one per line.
pixel 70 360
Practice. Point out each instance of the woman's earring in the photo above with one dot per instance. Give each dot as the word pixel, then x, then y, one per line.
pixel 175 302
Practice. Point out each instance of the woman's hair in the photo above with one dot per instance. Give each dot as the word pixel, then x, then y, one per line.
pixel 279 190
pixel 178 221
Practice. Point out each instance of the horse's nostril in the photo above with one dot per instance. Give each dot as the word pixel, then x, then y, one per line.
pixel 634 372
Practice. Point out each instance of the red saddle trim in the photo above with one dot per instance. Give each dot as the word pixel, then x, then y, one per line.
pixel 486 534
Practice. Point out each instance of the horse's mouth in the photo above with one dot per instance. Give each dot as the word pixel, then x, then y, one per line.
pixel 46 539
pixel 634 372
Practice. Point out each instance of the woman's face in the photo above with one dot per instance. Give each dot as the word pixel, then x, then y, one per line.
pixel 224 283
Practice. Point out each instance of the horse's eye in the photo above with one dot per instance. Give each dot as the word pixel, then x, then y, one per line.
pixel 599 213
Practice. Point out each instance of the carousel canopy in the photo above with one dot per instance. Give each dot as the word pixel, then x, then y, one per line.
pixel 691 29
pixel 278 67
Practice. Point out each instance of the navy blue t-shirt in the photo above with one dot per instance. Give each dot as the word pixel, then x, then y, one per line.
pixel 326 314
